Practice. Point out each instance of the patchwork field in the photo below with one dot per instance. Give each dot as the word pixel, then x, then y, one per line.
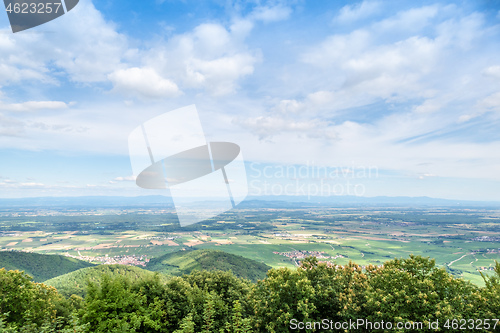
pixel 464 240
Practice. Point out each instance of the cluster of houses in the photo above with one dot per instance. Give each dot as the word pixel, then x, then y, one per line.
pixel 303 254
pixel 130 260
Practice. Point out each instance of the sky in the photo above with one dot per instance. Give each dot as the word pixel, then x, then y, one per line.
pixel 369 98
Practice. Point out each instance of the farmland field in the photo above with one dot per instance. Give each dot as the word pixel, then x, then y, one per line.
pixel 463 240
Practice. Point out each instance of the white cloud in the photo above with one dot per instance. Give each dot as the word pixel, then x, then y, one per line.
pixel 269 127
pixel 271 14
pixel 56 127
pixel 490 103
pixel 11 127
pixel 393 60
pixel 289 106
pixel 462 33
pixel 429 105
pixel 240 29
pixel 492 71
pixel 86 46
pixel 210 57
pixel 125 179
pixel 34 106
pixel 391 97
pixel 379 71
pixel 144 82
pixel 351 13
pixel 14 74
pixel 32 185
pixel 220 76
pixel 83 45
pixel 337 49
pixel 411 20
pixel 10 184
pixel 209 39
pixel 466 117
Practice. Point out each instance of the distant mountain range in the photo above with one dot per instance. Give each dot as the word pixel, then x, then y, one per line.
pixel 345 201
pixel 250 202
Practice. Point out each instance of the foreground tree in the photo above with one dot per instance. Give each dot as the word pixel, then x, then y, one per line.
pixel 23 301
pixel 310 293
pixel 490 294
pixel 401 290
pixel 112 306
pixel 27 306
pixel 415 290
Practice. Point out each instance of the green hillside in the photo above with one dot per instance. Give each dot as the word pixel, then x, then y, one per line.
pixel 40 266
pixel 76 282
pixel 183 262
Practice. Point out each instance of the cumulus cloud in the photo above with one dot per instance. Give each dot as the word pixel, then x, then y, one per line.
pixel 382 70
pixel 210 57
pixel 220 75
pixel 86 47
pixel 144 82
pixel 397 60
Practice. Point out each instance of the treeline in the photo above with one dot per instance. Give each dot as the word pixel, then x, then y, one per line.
pixel 402 290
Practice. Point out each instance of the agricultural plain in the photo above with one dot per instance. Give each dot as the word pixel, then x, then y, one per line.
pixel 462 240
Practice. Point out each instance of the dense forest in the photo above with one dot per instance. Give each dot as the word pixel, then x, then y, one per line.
pixel 183 262
pixel 40 267
pixel 402 290
pixel 76 282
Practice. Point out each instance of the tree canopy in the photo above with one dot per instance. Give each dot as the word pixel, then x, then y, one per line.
pixel 401 290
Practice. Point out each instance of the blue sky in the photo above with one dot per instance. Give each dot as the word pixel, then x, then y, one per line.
pixel 411 89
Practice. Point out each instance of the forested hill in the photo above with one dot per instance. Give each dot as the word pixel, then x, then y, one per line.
pixel 76 282
pixel 40 266
pixel 183 262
